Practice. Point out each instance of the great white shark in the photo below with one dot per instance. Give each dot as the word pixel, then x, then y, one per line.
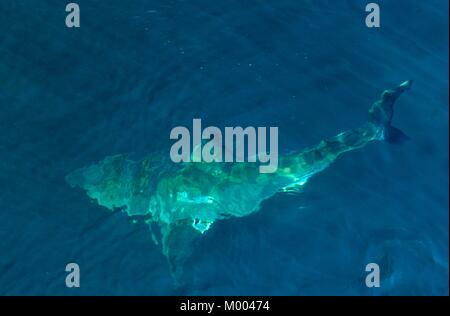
pixel 184 200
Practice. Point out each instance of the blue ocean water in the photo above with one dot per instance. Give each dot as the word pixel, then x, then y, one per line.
pixel 134 69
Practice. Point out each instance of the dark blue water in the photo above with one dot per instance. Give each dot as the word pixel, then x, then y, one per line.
pixel 136 68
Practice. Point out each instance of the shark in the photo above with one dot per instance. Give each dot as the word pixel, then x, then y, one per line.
pixel 181 201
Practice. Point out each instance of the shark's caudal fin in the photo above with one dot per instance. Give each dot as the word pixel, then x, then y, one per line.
pixel 382 111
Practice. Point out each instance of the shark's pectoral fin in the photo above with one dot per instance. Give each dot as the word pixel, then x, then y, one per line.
pixel 393 135
pixel 293 188
pixel 381 114
pixel 178 242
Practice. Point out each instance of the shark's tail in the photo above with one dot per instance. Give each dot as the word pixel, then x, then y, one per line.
pixel 382 111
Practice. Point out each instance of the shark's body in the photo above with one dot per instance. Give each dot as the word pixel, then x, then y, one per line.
pixel 184 200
